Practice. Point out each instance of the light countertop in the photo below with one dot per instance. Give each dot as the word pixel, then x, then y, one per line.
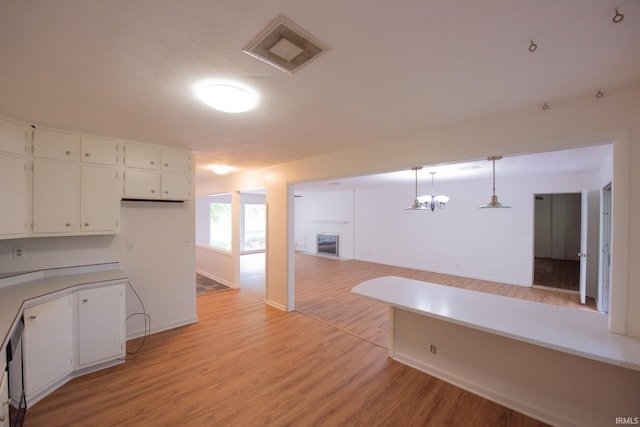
pixel 573 331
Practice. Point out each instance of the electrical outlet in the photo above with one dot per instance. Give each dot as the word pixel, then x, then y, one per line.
pixel 18 252
pixel 131 246
pixel 433 349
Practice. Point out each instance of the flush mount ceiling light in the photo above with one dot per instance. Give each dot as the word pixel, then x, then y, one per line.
pixel 221 169
pixel 284 45
pixel 225 96
pixel 431 202
pixel 494 203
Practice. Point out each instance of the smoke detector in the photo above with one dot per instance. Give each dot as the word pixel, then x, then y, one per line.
pixel 284 45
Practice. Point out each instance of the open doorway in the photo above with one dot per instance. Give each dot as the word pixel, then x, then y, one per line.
pixel 557 241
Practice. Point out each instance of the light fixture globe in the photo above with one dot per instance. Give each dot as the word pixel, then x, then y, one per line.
pixel 227 96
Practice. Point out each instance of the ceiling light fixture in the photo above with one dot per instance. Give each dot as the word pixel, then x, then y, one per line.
pixel 431 202
pixel 494 203
pixel 221 169
pixel 228 97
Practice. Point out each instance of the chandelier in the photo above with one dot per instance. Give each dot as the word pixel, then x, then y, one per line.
pixel 430 202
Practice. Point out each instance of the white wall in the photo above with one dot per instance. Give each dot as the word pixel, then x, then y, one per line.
pixel 324 212
pixel 462 240
pixel 162 268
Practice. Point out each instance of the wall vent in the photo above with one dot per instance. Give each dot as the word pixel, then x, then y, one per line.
pixel 284 45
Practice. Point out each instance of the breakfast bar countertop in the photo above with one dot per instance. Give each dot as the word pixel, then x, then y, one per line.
pixel 579 332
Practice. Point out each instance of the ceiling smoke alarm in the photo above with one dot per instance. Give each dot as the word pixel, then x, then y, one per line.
pixel 284 45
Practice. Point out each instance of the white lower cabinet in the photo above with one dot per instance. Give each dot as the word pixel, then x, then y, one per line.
pixel 100 325
pixel 73 334
pixel 4 400
pixel 48 345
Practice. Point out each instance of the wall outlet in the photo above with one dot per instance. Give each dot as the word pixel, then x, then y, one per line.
pixel 433 349
pixel 18 252
pixel 131 246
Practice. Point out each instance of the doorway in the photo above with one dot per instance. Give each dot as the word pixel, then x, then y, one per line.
pixel 558 241
pixel 605 249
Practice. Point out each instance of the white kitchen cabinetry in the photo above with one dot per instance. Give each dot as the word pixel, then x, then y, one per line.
pixel 75 184
pixel 13 180
pixel 100 325
pixel 48 345
pixel 4 400
pixel 145 179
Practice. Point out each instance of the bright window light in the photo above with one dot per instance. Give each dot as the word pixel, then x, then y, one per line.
pixel 226 96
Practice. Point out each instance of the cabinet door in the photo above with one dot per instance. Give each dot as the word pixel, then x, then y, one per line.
pixel 13 193
pixel 141 184
pixel 48 344
pixel 4 400
pixel 55 196
pixel 99 150
pixel 176 186
pixel 13 138
pixel 101 318
pixel 48 144
pixel 176 161
pixel 141 156
pixel 99 198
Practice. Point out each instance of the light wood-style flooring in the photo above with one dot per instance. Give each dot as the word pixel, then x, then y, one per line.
pixel 247 364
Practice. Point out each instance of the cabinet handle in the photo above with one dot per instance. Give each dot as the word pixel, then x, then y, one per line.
pixel 1 418
pixel 33 317
pixel 85 300
pixel 152 162
pixel 87 154
pixel 166 165
pixel 153 191
pixel 68 152
pixel 86 224
pixel 68 224
pixel 166 191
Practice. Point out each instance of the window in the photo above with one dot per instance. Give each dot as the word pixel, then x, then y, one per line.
pixel 254 227
pixel 220 225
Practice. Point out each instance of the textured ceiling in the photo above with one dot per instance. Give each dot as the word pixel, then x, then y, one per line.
pixel 126 68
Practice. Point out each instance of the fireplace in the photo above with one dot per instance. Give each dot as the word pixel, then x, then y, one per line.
pixel 328 244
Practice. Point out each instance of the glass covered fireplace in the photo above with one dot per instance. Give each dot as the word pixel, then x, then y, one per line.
pixel 328 244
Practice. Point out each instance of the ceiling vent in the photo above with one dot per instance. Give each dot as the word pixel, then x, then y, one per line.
pixel 284 45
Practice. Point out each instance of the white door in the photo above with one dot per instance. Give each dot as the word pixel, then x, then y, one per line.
pixel 583 245
pixel 55 196
pixel 100 324
pixel 48 345
pixel 99 198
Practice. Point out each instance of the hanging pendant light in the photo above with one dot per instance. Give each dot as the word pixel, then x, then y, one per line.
pixel 416 205
pixel 494 203
pixel 432 202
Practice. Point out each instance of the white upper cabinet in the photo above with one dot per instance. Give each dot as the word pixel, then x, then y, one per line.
pixel 75 184
pixel 99 150
pixel 13 180
pixel 99 198
pixel 143 179
pixel 13 138
pixel 48 144
pixel 55 196
pixel 176 161
pixel 141 156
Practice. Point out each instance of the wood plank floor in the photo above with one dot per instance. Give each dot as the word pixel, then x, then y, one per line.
pixel 248 364
pixel 323 291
